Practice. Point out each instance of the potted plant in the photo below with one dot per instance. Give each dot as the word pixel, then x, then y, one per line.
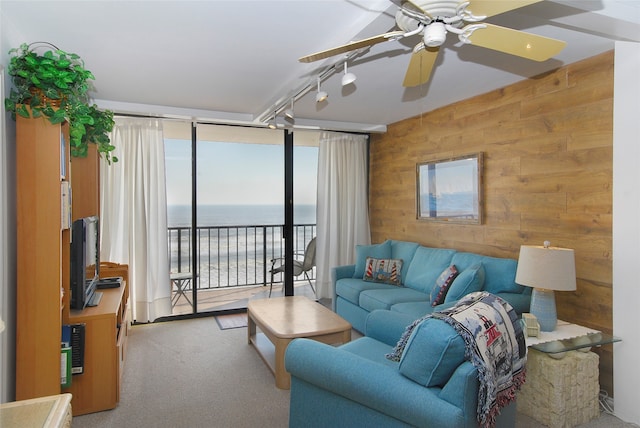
pixel 55 84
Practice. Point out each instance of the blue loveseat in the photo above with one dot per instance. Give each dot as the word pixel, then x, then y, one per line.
pixel 355 385
pixel 413 292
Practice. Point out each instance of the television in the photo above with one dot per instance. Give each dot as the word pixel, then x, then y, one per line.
pixel 85 261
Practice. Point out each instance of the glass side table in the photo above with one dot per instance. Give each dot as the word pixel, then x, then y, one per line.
pixel 588 340
pixel 562 386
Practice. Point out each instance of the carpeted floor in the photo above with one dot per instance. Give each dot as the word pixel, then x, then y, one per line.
pixel 190 373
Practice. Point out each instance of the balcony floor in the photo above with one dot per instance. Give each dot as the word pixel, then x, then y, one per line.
pixel 236 298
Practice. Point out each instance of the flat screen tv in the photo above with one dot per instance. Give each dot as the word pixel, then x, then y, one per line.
pixel 85 260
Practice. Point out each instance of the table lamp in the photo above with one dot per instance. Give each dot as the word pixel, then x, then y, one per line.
pixel 546 269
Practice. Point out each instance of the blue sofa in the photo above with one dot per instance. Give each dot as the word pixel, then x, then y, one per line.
pixel 355 385
pixel 354 298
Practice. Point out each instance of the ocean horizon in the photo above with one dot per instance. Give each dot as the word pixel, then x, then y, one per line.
pixel 238 215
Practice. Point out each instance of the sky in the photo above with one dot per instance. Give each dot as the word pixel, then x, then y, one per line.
pixel 238 174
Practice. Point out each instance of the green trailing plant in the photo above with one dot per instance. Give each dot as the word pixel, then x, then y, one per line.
pixel 55 85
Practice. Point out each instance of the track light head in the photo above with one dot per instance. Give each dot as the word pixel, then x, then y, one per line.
pixel 321 95
pixel 347 78
pixel 272 123
pixel 288 113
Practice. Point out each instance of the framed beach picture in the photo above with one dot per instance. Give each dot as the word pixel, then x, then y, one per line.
pixel 450 189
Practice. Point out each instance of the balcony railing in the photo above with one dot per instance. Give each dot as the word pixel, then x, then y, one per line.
pixel 233 256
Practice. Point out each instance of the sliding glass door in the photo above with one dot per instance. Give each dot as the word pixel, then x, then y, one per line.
pixel 226 193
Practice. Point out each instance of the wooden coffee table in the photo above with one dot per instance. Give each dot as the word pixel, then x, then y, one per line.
pixel 283 319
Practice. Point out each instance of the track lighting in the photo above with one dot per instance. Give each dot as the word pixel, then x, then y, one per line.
pixel 348 77
pixel 272 123
pixel 321 95
pixel 288 113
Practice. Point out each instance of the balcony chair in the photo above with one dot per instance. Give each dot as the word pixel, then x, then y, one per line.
pixel 300 267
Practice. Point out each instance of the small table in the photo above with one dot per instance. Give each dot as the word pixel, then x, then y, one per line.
pixel 44 412
pixel 283 319
pixel 562 386
pixel 180 282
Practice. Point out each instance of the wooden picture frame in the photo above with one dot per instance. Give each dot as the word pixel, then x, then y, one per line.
pixel 450 190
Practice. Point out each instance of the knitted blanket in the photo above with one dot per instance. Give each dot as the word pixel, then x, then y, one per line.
pixel 494 343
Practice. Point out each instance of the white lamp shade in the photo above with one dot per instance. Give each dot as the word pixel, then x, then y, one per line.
pixel 348 78
pixel 549 268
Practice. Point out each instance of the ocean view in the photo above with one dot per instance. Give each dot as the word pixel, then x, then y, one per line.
pixel 238 215
pixel 232 251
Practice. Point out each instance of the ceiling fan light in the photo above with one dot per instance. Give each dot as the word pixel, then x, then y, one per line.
pixel 435 34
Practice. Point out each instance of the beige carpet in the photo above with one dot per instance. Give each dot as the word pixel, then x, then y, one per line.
pixel 189 373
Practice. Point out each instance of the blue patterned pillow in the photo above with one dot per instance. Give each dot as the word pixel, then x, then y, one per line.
pixel 388 271
pixel 468 281
pixel 442 285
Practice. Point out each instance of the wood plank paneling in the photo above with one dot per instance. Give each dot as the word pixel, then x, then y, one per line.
pixel 548 175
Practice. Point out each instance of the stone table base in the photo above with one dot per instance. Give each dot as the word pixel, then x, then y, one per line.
pixel 561 392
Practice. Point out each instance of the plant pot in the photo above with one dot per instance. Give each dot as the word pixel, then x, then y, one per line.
pixel 44 100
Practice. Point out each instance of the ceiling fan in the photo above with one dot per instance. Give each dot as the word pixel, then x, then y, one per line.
pixel 434 19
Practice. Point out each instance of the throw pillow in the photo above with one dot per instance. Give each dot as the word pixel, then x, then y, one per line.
pixel 378 251
pixel 468 281
pixel 442 285
pixel 388 271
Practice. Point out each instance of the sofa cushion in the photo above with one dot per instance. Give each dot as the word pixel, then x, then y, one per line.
pixel 500 273
pixel 377 251
pixel 385 298
pixel 403 250
pixel 432 353
pixel 441 287
pixel 414 309
pixel 469 280
pixel 387 271
pixel 370 349
pixel 350 288
pixel 427 264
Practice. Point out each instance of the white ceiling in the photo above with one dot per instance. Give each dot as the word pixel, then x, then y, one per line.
pixel 233 61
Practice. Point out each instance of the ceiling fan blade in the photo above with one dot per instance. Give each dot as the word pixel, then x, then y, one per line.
pixel 408 4
pixel 515 42
pixel 351 46
pixel 495 7
pixel 420 66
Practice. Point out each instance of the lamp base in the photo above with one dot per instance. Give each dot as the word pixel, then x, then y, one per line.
pixel 543 306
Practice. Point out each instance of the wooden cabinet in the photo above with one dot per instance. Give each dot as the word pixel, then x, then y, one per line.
pixel 40 164
pixel 43 163
pixel 106 331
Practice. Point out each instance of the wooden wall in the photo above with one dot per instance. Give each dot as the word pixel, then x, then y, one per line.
pixel 548 174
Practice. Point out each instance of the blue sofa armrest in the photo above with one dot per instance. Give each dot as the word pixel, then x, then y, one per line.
pixel 386 326
pixel 339 272
pixel 373 385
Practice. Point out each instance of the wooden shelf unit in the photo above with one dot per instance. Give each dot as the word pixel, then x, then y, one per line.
pixel 43 288
pixel 40 262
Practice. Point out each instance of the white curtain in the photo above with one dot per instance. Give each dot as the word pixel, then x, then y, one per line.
pixel 133 214
pixel 342 207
